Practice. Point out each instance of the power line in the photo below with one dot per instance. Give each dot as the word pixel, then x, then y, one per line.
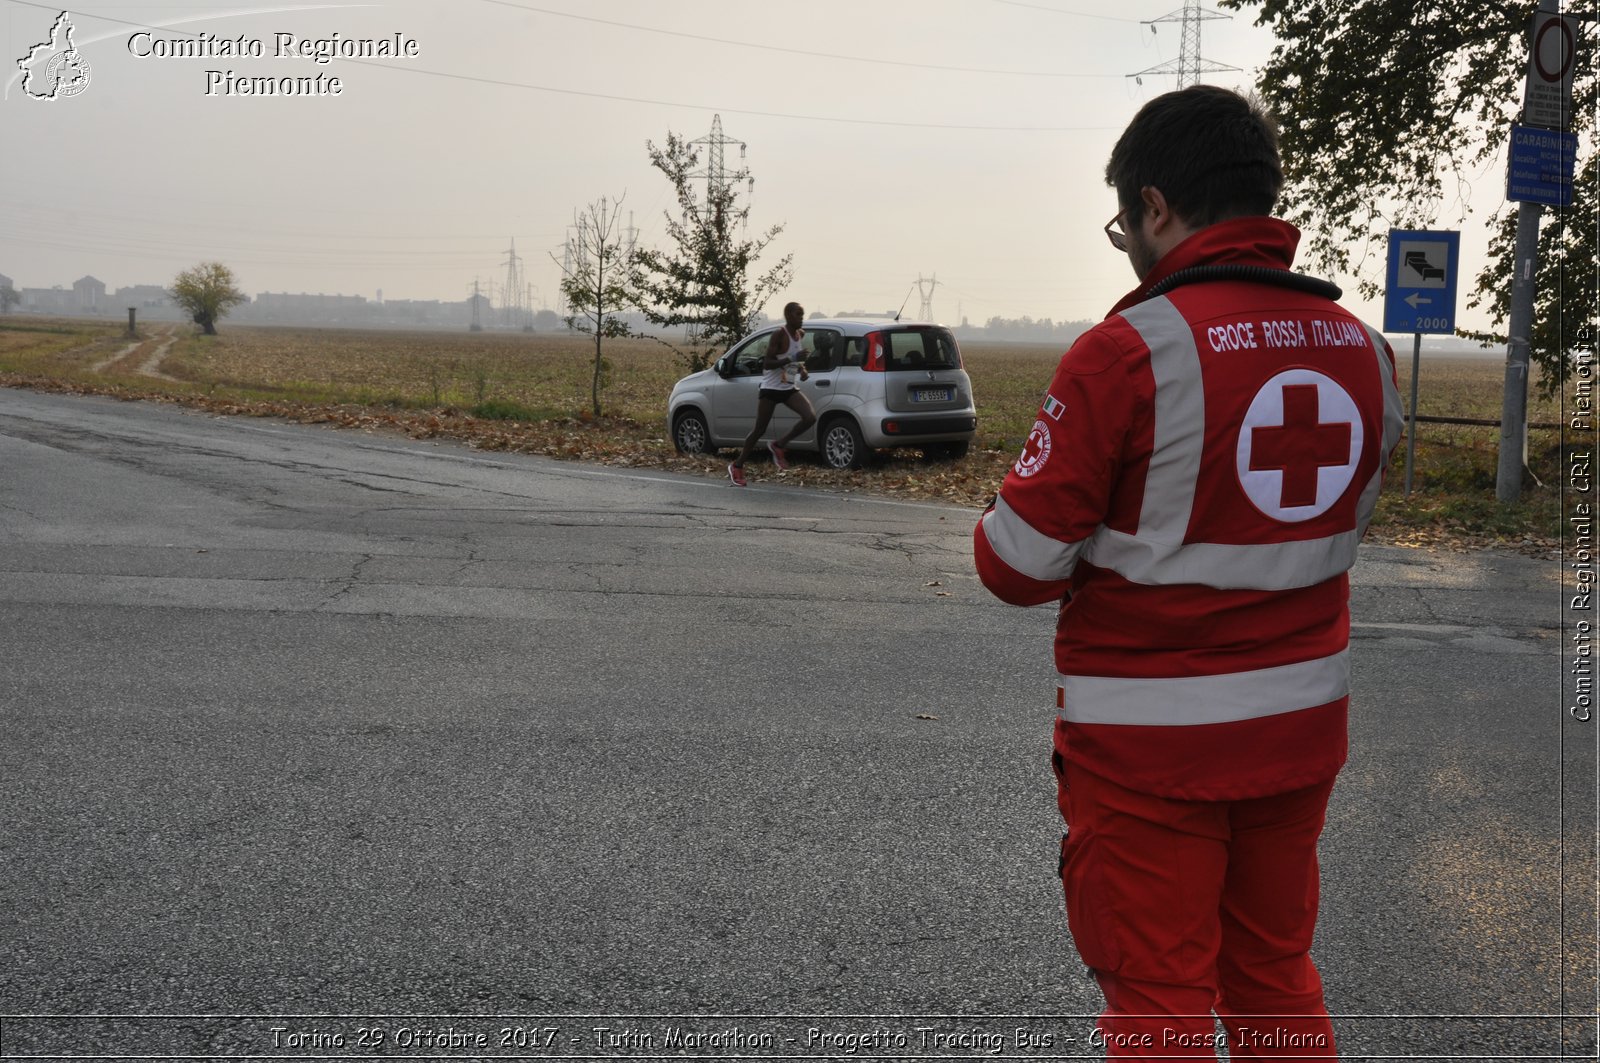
pixel 53 218
pixel 740 110
pixel 615 98
pixel 133 241
pixel 872 59
pixel 1059 11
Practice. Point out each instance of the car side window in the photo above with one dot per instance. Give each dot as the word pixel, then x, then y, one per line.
pixel 822 349
pixel 747 359
pixel 853 350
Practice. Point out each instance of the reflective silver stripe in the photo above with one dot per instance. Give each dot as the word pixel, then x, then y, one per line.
pixel 1180 420
pixel 1368 503
pixel 1256 567
pixel 1025 549
pixel 1394 426
pixel 1192 700
pixel 1394 414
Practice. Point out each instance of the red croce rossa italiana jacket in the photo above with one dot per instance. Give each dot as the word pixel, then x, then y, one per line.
pixel 1202 468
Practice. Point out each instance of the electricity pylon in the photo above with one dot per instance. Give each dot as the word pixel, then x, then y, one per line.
pixel 716 171
pixel 1189 65
pixel 925 290
pixel 513 288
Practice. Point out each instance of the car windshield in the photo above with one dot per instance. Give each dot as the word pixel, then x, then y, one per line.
pixel 910 349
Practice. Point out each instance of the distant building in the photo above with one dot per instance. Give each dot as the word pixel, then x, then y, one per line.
pixel 403 312
pixel 304 308
pixel 86 296
pixel 90 293
pixel 90 296
pixel 142 297
pixel 57 300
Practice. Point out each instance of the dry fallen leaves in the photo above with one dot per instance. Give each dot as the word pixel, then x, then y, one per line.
pixel 627 443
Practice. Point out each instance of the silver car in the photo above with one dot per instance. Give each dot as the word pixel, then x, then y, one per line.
pixel 873 383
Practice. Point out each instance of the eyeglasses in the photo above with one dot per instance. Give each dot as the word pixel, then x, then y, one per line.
pixel 1114 233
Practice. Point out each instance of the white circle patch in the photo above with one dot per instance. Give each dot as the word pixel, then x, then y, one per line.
pixel 1299 445
pixel 1036 451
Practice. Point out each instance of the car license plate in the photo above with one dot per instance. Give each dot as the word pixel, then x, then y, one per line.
pixel 930 394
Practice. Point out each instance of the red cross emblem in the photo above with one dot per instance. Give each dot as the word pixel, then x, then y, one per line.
pixel 1036 451
pixel 1299 445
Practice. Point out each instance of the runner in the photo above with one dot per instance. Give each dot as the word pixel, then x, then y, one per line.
pixel 777 389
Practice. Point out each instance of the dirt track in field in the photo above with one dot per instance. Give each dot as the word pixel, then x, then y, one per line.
pixel 147 353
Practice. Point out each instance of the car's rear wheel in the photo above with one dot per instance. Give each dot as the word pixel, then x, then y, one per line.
pixel 946 451
pixel 691 434
pixel 841 444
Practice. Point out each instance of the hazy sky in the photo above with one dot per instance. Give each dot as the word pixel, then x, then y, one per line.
pixel 959 138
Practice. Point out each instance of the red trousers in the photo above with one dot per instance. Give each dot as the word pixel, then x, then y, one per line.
pixel 1182 908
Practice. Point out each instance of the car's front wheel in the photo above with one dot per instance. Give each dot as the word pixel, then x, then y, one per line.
pixel 691 434
pixel 842 444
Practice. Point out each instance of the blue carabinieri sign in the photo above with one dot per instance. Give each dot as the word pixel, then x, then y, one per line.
pixel 1542 161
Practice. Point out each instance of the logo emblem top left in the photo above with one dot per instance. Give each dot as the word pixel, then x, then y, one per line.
pixel 55 69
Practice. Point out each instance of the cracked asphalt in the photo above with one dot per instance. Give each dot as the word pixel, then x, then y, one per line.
pixel 311 722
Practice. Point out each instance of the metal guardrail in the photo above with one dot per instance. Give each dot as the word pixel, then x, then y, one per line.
pixel 1482 422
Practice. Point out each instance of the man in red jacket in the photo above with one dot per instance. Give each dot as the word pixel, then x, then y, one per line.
pixel 1200 472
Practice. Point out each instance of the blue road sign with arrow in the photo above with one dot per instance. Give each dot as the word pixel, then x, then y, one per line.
pixel 1421 291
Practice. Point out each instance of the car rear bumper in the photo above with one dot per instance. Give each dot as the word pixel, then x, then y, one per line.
pixel 922 428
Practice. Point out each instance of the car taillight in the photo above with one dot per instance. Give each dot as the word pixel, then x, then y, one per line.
pixel 874 362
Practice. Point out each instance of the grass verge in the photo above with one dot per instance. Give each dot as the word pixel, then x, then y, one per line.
pixel 531 394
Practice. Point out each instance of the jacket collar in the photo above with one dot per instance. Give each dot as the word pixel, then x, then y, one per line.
pixel 1254 241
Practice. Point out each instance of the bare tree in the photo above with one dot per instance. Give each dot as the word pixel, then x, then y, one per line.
pixel 595 281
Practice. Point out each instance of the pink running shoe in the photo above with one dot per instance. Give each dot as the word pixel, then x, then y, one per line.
pixel 736 474
pixel 779 456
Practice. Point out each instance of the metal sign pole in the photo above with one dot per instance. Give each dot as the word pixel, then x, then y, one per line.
pixel 1514 403
pixel 1420 296
pixel 1411 421
pixel 1544 88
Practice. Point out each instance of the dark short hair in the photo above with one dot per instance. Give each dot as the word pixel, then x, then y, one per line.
pixel 793 306
pixel 1212 152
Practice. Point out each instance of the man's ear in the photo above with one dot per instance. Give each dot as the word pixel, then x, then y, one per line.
pixel 1156 209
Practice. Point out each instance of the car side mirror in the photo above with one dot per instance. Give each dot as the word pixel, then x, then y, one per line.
pixel 723 366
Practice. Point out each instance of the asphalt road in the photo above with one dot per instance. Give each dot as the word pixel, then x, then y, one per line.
pixel 323 723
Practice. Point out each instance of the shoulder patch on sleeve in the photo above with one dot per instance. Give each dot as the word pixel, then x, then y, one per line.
pixel 1036 451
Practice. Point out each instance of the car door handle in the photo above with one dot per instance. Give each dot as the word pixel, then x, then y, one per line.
pixel 824 383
